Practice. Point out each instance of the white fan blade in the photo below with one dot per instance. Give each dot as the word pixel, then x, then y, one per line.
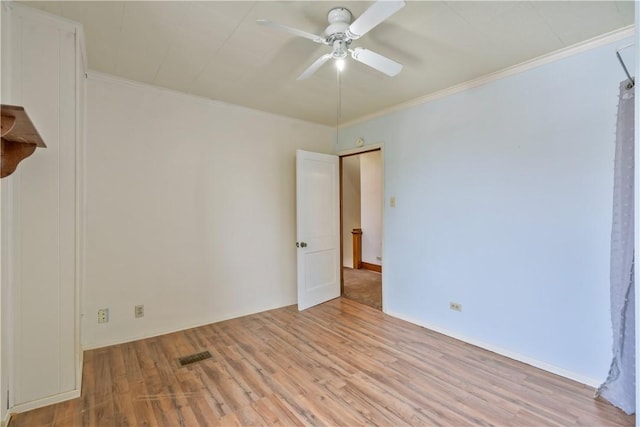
pixel 377 61
pixel 378 12
pixel 315 66
pixel 294 31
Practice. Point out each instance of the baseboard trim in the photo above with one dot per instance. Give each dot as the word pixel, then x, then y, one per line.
pixel 371 267
pixel 35 404
pixel 5 421
pixel 159 332
pixel 592 382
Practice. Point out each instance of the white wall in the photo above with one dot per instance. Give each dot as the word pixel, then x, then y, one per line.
pixel 504 206
pixel 371 206
pixel 190 209
pixel 350 205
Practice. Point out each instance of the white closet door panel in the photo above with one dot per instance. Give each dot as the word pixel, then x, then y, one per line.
pixel 38 288
pixel 45 329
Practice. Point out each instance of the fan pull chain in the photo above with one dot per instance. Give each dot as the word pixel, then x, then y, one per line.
pixel 339 105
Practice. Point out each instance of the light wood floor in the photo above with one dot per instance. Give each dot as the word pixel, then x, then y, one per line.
pixel 341 363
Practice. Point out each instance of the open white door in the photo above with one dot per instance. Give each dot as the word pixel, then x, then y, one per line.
pixel 318 233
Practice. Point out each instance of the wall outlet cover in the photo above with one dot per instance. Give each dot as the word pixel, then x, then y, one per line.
pixel 103 315
pixel 139 310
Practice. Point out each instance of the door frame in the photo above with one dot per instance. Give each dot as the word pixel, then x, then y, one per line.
pixel 354 152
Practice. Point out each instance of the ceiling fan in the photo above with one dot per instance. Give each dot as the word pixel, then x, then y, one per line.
pixel 341 32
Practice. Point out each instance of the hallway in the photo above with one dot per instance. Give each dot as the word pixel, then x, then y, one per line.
pixel 363 286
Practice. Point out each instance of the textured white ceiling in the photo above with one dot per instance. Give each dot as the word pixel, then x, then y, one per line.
pixel 216 50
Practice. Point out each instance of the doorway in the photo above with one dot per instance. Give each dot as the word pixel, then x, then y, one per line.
pixel 361 224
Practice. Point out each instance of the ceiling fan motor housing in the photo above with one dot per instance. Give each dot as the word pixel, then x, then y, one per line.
pixel 339 19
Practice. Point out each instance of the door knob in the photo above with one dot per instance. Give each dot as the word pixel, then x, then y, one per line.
pixel 303 245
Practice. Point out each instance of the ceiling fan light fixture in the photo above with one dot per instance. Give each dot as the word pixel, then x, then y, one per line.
pixel 340 63
pixel 340 48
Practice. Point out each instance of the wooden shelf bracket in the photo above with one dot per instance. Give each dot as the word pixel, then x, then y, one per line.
pixel 19 138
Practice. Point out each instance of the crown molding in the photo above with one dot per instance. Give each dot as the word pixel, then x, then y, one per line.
pixel 557 55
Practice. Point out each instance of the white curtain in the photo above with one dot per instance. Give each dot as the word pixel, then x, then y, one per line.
pixel 619 387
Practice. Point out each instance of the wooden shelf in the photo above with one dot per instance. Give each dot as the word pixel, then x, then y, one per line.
pixel 19 138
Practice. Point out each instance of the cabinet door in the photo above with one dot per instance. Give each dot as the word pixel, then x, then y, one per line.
pixel 44 210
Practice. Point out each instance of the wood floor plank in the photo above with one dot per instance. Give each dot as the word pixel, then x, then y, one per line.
pixel 88 385
pixel 275 413
pixel 340 363
pixel 142 408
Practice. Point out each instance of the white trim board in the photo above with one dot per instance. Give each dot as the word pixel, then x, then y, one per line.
pixel 575 49
pixel 81 207
pixel 503 352
pixel 40 403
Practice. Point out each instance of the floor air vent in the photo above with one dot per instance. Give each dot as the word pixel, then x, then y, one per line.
pixel 193 358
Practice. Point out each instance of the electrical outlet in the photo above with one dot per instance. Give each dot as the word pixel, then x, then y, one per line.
pixel 103 315
pixel 139 310
pixel 455 306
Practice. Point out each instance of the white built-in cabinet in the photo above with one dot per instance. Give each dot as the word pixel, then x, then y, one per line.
pixel 43 71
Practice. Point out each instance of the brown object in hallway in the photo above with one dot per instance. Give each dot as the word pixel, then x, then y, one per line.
pixel 357 247
pixel 338 363
pixel 19 138
pixel 363 286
